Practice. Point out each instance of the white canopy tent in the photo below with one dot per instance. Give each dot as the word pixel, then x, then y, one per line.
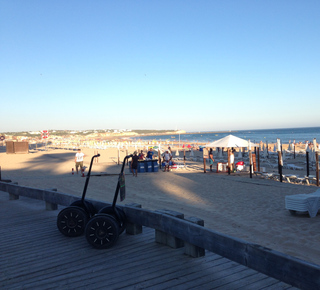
pixel 231 141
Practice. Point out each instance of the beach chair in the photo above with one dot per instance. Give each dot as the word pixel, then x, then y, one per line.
pixel 303 203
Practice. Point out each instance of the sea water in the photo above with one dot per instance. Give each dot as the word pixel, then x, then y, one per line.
pixel 286 136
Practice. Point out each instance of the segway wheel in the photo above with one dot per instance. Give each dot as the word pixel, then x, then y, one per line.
pixel 121 219
pixel 102 231
pixel 72 221
pixel 87 207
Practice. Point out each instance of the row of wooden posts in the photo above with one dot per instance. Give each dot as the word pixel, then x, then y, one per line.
pixel 280 160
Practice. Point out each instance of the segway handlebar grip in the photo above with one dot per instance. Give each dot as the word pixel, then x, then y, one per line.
pixel 98 155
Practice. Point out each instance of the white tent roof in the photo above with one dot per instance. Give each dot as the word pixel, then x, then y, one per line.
pixel 231 141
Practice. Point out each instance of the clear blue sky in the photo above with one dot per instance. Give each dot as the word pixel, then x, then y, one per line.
pixel 195 65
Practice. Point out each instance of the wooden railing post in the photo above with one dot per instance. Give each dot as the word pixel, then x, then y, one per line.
pixel 190 249
pixel 167 239
pixel 132 228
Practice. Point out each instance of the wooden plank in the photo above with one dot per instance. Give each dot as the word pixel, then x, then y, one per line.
pixel 278 265
pixel 35 255
pixel 284 267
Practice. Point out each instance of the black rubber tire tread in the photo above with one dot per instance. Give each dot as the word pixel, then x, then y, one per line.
pixel 102 231
pixel 121 219
pixel 72 220
pixel 90 207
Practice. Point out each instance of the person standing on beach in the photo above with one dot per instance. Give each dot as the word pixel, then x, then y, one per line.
pixel 134 164
pixel 211 160
pixel 167 158
pixel 150 153
pixel 79 160
pixel 141 155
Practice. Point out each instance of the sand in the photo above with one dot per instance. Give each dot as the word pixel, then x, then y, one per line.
pixel 252 209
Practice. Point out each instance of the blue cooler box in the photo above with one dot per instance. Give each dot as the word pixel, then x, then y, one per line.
pixel 141 167
pixel 149 166
pixel 155 166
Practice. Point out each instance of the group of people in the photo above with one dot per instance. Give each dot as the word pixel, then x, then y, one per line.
pixel 167 157
pixel 150 154
pixel 135 158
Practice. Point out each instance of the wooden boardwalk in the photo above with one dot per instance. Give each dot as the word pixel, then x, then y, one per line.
pixel 35 255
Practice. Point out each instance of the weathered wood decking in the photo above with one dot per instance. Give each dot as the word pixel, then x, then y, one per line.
pixel 35 255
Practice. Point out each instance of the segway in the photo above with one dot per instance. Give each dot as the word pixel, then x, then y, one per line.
pixel 103 229
pixel 72 220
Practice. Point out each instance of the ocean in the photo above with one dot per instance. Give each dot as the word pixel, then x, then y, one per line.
pixel 266 135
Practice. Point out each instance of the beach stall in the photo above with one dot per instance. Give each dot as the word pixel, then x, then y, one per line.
pixel 229 142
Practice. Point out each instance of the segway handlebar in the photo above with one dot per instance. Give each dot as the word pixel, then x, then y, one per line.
pixel 118 185
pixel 88 177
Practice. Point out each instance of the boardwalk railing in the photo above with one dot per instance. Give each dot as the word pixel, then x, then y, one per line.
pixel 169 224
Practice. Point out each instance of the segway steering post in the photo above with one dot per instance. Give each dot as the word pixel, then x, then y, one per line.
pixel 118 184
pixel 88 177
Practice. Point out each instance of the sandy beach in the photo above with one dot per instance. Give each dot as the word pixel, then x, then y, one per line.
pixel 252 209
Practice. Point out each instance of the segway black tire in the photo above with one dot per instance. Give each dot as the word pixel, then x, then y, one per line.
pixel 72 221
pixel 102 231
pixel 88 207
pixel 121 219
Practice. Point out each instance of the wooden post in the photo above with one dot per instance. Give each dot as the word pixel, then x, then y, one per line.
pixel 50 205
pixel 131 228
pixel 258 152
pixel 317 167
pixel 317 159
pixel 167 239
pixel 250 158
pixel 192 250
pixel 184 156
pixel 229 165
pixel 294 151
pixel 280 164
pixel 307 156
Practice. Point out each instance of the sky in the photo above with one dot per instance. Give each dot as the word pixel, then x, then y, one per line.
pixel 201 65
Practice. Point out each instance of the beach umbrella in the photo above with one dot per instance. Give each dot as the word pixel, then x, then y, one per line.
pixel 177 153
pixel 265 153
pixel 191 153
pixel 263 147
pixel 274 148
pixel 231 141
pixel 289 147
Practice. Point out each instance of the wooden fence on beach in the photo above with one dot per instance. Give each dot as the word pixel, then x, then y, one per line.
pixel 171 226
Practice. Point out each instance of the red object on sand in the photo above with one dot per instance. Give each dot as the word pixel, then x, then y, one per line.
pixel 240 163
